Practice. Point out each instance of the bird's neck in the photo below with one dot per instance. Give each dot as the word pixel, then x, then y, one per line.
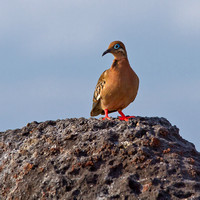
pixel 120 56
pixel 117 62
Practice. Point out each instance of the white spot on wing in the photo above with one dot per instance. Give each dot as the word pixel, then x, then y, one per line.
pixel 98 97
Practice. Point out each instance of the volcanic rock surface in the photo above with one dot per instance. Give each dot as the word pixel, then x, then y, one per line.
pixel 78 159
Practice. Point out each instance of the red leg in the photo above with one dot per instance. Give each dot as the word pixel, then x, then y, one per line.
pixel 123 117
pixel 106 115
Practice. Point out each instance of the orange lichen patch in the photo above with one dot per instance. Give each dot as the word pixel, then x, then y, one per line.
pixel 73 167
pixel 142 158
pixel 139 159
pixel 167 150
pixel 146 142
pixel 137 167
pixel 15 176
pixel 27 168
pixel 33 130
pixel 191 161
pixel 55 150
pixel 146 187
pixel 155 142
pixel 89 163
pixel 106 146
pixel 41 169
pixel 1 168
pixel 159 158
pixel 114 152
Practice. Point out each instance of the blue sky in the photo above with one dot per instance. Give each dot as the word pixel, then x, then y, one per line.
pixel 50 58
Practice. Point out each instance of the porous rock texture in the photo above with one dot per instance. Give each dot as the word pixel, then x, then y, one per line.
pixel 78 159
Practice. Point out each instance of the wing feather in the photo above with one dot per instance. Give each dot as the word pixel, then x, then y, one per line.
pixel 96 107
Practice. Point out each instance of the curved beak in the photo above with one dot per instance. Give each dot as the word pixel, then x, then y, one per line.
pixel 107 51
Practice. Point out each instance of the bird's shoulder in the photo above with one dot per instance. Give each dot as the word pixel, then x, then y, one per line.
pixel 99 87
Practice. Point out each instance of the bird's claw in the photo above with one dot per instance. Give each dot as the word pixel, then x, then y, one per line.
pixel 108 118
pixel 126 118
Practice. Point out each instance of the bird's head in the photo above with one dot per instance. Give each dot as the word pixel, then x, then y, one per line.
pixel 118 50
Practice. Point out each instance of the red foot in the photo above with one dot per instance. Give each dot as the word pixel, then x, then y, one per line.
pixel 106 115
pixel 106 118
pixel 123 117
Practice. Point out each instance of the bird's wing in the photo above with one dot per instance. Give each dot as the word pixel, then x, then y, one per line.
pixel 100 84
pixel 96 107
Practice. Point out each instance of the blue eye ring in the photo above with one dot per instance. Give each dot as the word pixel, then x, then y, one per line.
pixel 116 46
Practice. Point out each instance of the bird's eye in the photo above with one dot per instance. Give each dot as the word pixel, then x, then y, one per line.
pixel 116 46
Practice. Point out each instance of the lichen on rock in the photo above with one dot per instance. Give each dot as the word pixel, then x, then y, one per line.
pixel 144 158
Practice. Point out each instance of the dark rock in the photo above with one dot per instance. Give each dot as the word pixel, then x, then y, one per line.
pixel 134 185
pixel 144 158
